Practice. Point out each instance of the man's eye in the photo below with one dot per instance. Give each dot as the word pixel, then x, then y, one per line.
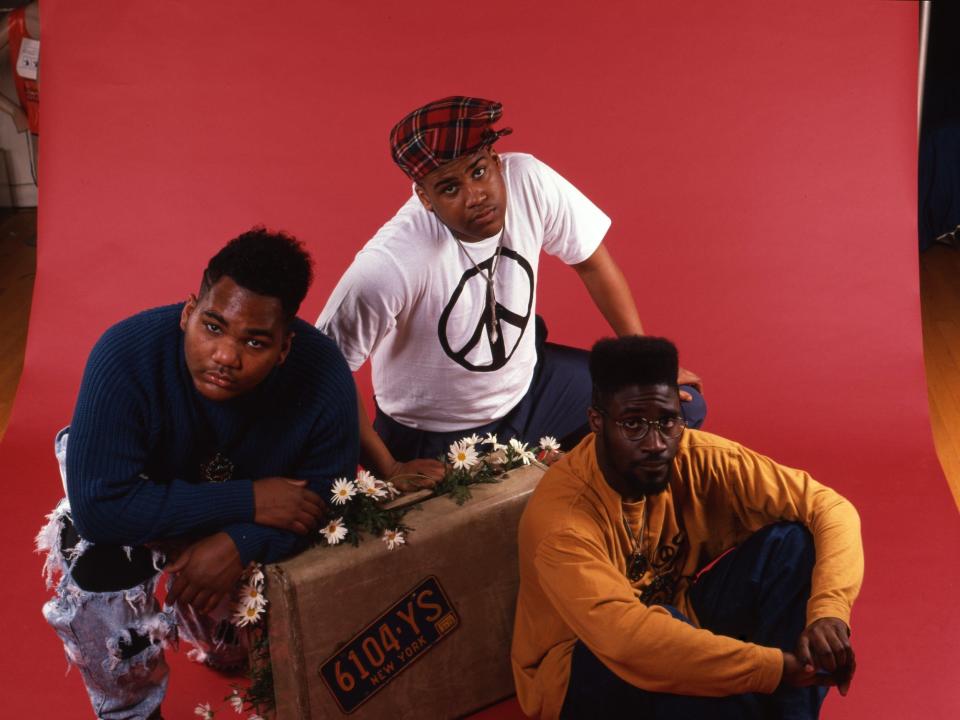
pixel 449 190
pixel 479 172
pixel 631 424
pixel 255 344
pixel 211 328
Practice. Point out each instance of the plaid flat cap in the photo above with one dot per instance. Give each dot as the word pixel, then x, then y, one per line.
pixel 442 131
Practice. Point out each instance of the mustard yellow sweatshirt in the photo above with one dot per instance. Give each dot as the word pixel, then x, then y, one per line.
pixel 573 584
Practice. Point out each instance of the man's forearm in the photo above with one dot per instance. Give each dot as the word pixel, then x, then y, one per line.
pixel 610 292
pixel 374 454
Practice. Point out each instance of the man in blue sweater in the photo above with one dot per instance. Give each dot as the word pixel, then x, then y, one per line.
pixel 204 437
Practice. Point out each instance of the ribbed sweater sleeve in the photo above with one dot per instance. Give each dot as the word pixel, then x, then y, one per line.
pixel 111 497
pixel 331 451
pixel 132 468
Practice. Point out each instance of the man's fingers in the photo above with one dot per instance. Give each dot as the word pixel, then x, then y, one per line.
pixel 177 564
pixel 685 396
pixel 803 652
pixel 299 483
pixel 844 685
pixel 212 603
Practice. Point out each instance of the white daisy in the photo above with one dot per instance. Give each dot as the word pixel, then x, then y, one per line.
pixel 393 539
pixel 246 615
pixel 520 451
pixel 236 702
pixel 375 490
pixel 251 595
pixel 549 443
pixel 203 710
pixel 255 575
pixel 462 456
pixel 335 531
pixel 365 480
pixel 471 440
pixel 492 441
pixel 391 488
pixel 343 490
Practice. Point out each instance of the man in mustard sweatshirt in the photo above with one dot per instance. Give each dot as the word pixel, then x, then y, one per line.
pixel 670 573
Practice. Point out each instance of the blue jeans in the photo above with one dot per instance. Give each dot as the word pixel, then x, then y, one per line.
pixel 757 593
pixel 555 404
pixel 113 629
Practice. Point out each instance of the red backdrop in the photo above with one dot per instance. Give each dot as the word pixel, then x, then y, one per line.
pixel 758 160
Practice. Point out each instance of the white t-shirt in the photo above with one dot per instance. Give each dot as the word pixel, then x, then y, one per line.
pixel 414 303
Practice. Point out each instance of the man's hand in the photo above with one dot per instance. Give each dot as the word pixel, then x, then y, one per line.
pixel 205 573
pixel 286 504
pixel 685 377
pixel 416 474
pixel 826 644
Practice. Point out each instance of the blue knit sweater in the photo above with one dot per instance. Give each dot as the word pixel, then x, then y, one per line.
pixel 140 432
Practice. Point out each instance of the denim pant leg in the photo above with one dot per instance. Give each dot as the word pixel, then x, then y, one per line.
pixel 758 592
pixel 114 638
pixel 594 691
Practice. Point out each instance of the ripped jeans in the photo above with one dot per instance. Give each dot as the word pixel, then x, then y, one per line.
pixel 112 626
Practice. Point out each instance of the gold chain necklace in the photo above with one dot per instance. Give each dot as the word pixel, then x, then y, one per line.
pixel 637 564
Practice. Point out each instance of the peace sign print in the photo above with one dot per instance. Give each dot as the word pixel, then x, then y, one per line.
pixel 466 317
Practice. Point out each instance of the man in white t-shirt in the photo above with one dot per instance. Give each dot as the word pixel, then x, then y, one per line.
pixel 443 298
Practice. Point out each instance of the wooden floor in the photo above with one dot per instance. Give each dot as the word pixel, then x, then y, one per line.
pixel 18 267
pixel 940 298
pixel 939 287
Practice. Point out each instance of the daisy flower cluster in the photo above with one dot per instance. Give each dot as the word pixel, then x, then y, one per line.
pixel 234 700
pixel 473 460
pixel 360 502
pixel 251 603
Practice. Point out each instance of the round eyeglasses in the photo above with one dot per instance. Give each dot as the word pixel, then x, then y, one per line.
pixel 635 429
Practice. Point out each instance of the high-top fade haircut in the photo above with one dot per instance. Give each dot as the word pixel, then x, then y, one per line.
pixel 267 263
pixel 616 363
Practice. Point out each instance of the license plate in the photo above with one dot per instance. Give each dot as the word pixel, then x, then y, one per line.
pixel 389 645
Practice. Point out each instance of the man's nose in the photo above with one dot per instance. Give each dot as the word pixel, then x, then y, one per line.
pixel 653 441
pixel 475 195
pixel 226 354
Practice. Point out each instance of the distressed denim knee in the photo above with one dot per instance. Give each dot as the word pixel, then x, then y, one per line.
pixel 115 639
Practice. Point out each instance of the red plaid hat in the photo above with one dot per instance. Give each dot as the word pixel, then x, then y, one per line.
pixel 442 131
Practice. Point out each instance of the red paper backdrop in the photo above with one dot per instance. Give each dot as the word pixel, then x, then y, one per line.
pixel 758 160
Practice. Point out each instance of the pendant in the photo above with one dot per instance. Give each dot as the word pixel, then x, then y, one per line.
pixel 492 303
pixel 218 469
pixel 637 567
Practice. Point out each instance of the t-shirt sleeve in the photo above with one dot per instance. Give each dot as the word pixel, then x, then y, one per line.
pixel 363 307
pixel 573 226
pixel 644 645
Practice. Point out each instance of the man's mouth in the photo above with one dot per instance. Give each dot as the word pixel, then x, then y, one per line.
pixel 652 464
pixel 223 381
pixel 485 216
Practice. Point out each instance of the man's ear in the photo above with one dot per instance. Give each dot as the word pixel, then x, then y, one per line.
pixel 495 156
pixel 285 347
pixel 595 419
pixel 187 311
pixel 424 200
